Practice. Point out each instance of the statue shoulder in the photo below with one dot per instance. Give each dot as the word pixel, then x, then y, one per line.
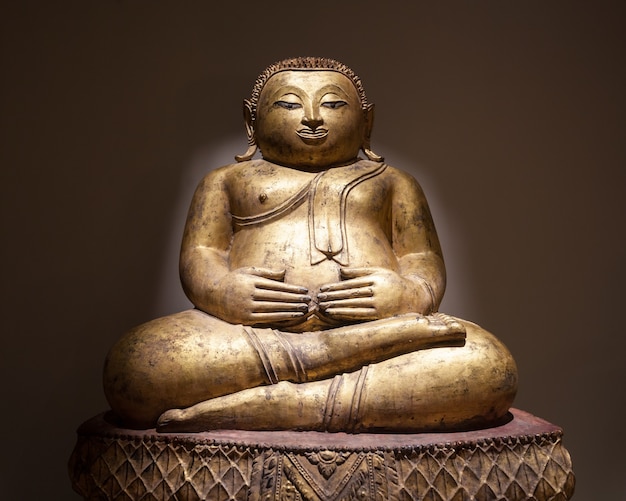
pixel 232 172
pixel 403 181
pixel 222 178
pixel 219 174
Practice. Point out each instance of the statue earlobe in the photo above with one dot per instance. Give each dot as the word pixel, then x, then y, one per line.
pixel 249 123
pixel 369 123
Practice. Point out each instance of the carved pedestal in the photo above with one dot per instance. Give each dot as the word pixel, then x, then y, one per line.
pixel 523 459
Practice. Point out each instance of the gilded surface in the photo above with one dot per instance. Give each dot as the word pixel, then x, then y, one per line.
pixel 316 277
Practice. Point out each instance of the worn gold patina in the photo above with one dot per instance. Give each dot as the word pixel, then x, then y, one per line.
pixel 316 277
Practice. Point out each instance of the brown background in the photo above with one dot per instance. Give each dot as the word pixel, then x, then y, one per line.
pixel 511 114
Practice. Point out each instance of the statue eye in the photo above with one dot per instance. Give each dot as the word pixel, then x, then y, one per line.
pixel 334 104
pixel 287 105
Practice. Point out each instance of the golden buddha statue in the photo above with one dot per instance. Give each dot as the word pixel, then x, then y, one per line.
pixel 316 276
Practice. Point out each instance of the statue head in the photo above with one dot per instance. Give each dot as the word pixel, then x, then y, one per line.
pixel 308 112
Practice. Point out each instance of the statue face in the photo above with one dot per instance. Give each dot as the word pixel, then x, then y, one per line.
pixel 310 119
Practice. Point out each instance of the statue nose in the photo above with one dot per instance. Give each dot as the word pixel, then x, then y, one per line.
pixel 312 121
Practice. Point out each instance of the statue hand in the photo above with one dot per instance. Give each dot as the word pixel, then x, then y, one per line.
pixel 253 296
pixel 367 294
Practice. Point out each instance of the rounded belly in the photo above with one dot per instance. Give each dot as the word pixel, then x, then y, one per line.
pixel 287 247
pixel 278 252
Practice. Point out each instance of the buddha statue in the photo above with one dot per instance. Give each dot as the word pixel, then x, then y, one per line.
pixel 316 276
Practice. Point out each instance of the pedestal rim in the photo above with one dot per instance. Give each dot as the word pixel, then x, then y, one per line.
pixel 522 427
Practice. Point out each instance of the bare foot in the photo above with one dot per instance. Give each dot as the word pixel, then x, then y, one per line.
pixel 440 323
pixel 172 420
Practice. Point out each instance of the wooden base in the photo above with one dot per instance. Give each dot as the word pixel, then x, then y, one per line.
pixel 522 459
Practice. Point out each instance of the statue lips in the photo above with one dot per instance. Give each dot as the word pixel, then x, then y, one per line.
pixel 313 136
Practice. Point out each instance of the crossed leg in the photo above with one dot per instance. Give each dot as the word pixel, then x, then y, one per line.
pixel 194 360
pixel 440 389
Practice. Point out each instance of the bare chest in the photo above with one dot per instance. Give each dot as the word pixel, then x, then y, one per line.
pixel 265 195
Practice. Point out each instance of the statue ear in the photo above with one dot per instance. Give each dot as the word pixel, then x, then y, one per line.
pixel 247 116
pixel 249 123
pixel 369 123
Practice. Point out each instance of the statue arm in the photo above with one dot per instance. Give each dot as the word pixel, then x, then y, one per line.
pixel 206 241
pixel 416 244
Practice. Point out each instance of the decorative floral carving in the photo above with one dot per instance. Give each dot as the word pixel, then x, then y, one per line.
pixel 327 461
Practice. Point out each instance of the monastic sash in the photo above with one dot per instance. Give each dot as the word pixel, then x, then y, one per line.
pixel 327 210
pixel 291 203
